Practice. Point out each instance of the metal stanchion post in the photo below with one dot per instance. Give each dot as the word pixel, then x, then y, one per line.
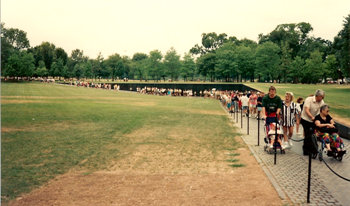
pixel 274 144
pixel 248 123
pixel 234 110
pixel 241 118
pixel 309 179
pixel 258 128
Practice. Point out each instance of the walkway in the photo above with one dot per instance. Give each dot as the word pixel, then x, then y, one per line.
pixel 289 175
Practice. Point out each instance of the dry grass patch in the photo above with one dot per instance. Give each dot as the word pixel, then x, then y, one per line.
pixel 55 126
pixel 15 101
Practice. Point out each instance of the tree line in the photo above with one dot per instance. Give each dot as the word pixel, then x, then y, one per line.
pixel 287 54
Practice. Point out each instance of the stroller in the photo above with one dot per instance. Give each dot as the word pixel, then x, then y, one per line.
pixel 270 130
pixel 323 150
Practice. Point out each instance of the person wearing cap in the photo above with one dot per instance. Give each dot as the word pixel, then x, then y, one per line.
pixel 289 115
pixel 311 108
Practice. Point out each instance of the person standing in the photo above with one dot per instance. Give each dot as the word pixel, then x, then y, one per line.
pixel 289 115
pixel 271 108
pixel 245 102
pixel 259 103
pixel 300 104
pixel 236 101
pixel 311 108
pixel 252 103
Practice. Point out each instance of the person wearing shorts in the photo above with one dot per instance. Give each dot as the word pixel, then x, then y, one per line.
pixel 272 105
pixel 289 115
pixel 245 102
pixel 259 103
pixel 253 100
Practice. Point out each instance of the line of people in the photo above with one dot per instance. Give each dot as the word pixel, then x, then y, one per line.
pixel 164 91
pixel 313 115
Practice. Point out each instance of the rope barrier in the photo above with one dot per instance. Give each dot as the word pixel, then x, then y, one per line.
pixel 297 140
pixel 346 179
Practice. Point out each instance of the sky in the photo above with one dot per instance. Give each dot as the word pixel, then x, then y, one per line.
pixel 129 26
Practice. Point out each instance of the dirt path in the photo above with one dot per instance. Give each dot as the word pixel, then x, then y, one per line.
pixel 160 175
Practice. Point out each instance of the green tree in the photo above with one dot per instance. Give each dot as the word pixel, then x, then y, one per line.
pixel 285 61
pixel 245 60
pixel 172 64
pixel 87 72
pixel 341 46
pixel 20 64
pixel 57 69
pixel 77 57
pixel 188 67
pixel 12 40
pixel 314 68
pixel 97 66
pixel 41 70
pixel 138 63
pixel 114 64
pixel 210 42
pixel 226 62
pixel 44 52
pixel 267 61
pixel 331 67
pixel 206 65
pixel 312 44
pixel 78 70
pixel 293 35
pixel 154 64
pixel 247 42
pixel 127 66
pixel 15 37
pixel 61 54
pixel 296 69
pixel 54 71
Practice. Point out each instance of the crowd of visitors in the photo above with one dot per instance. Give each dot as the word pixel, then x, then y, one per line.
pixel 93 85
pixel 312 113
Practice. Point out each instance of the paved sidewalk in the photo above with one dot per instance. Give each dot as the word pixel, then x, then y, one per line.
pixel 289 175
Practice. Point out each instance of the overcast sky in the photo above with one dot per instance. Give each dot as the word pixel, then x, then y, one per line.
pixel 130 26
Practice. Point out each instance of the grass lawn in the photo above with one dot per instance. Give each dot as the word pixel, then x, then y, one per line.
pixel 337 96
pixel 50 129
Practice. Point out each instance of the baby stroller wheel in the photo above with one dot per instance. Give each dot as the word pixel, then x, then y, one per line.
pixel 320 155
pixel 339 155
pixel 339 158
